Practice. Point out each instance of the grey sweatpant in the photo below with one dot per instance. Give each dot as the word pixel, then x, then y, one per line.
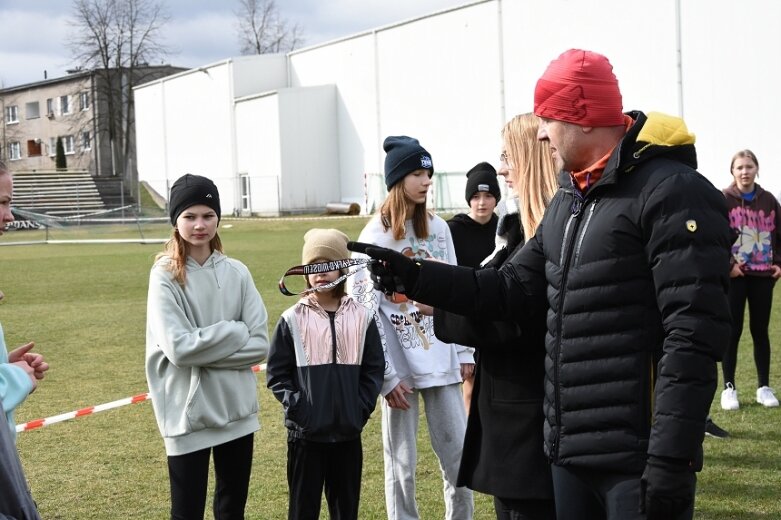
pixel 446 419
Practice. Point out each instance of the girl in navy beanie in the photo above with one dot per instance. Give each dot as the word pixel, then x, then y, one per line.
pixel 417 364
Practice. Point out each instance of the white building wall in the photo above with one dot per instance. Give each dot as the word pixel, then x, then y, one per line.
pixel 253 74
pixel 309 151
pixel 292 160
pixel 258 150
pixel 151 148
pixel 439 82
pixel 731 81
pixel 350 65
pixel 454 78
pixel 193 112
pixel 637 37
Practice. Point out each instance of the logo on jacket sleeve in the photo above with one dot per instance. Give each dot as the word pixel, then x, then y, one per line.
pixel 691 226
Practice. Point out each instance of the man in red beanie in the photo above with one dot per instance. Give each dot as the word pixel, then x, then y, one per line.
pixel 629 268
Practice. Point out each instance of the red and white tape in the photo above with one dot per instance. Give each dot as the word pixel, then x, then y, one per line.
pixel 90 410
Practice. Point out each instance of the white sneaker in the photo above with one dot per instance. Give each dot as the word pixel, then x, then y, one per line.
pixel 729 398
pixel 765 397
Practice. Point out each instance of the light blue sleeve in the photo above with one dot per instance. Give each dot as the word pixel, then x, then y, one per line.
pixel 15 384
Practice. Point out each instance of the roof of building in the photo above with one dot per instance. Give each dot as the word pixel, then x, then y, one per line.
pixel 75 75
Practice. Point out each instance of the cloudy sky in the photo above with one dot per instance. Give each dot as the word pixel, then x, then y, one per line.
pixel 35 32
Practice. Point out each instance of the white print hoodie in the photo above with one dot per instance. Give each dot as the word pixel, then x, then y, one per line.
pixel 413 354
pixel 201 343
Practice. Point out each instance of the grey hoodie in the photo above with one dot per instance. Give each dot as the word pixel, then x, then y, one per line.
pixel 201 343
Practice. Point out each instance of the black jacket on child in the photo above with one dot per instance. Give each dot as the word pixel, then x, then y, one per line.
pixel 472 240
pixel 326 369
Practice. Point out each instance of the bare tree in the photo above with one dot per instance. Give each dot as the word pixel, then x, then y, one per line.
pixel 117 39
pixel 263 31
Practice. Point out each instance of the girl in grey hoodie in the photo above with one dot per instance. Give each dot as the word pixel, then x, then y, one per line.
pixel 206 329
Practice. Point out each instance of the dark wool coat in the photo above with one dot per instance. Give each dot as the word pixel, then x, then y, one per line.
pixel 503 446
pixel 635 276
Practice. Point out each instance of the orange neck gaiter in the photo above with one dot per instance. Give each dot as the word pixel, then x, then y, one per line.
pixel 584 179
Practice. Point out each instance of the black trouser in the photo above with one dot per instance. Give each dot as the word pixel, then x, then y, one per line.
pixel 514 509
pixel 597 495
pixel 189 476
pixel 311 466
pixel 758 291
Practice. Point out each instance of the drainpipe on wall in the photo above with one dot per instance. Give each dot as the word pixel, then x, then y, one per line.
pixel 500 34
pixel 95 140
pixel 164 118
pixel 233 145
pixel 679 56
pixel 378 114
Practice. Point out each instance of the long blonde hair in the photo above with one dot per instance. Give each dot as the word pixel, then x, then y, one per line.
pixel 533 172
pixel 177 248
pixel 393 213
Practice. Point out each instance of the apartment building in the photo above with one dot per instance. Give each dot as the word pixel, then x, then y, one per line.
pixel 76 109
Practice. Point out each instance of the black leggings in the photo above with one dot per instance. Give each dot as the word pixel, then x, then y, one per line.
pixel 758 291
pixel 189 475
pixel 331 466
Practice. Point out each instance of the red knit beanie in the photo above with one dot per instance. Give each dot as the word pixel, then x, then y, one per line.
pixel 579 87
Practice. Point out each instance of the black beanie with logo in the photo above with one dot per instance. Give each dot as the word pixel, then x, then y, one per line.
pixel 482 177
pixel 191 190
pixel 404 155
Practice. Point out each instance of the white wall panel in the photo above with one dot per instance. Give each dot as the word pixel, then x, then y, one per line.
pixel 350 65
pixel 731 83
pixel 258 150
pixel 150 137
pixel 310 156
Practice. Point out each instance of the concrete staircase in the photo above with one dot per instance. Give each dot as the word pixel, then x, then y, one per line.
pixel 59 194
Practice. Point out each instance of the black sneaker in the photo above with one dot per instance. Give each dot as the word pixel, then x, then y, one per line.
pixel 713 430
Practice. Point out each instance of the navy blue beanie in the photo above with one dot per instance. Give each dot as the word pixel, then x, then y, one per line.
pixel 191 190
pixel 403 156
pixel 482 177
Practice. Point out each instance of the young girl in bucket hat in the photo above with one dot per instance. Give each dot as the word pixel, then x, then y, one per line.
pixel 325 367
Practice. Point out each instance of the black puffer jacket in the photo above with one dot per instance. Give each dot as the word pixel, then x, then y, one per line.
pixel 635 275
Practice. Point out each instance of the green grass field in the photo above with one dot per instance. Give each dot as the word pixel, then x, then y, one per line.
pixel 84 306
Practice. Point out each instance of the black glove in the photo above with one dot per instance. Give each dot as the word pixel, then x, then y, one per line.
pixel 666 488
pixel 395 272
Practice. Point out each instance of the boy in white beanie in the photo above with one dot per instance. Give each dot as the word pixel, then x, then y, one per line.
pixel 326 368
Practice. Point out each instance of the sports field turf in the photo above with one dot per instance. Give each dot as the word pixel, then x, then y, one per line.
pixel 84 306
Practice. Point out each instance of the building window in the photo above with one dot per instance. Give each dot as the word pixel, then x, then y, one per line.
pixel 84 100
pixel 14 151
pixel 33 148
pixel 32 110
pixel 86 140
pixel 245 194
pixel 65 107
pixel 12 114
pixel 50 107
pixel 52 146
pixel 67 143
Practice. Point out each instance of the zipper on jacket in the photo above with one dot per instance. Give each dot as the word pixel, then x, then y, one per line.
pixel 332 318
pixel 568 242
pixel 591 209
